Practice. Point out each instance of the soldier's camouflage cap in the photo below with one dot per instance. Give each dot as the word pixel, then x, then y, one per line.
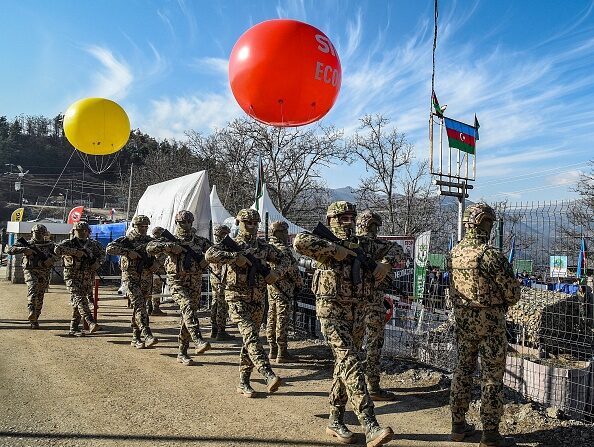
pixel 367 217
pixel 39 227
pixel 184 216
pixel 248 214
pixel 475 214
pixel 81 226
pixel 279 225
pixel 140 220
pixel 341 207
pixel 221 230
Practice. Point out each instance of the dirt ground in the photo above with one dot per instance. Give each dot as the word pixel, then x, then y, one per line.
pixel 99 391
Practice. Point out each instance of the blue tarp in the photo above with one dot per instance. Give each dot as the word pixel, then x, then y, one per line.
pixel 105 233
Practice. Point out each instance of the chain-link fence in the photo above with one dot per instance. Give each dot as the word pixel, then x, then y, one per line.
pixel 551 329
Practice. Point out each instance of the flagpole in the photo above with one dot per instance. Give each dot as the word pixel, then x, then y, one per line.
pixel 440 145
pixel 431 139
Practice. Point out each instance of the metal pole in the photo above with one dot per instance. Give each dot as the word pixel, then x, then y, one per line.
pixel 440 145
pixel 103 194
pixel 461 202
pixel 129 192
pixel 65 201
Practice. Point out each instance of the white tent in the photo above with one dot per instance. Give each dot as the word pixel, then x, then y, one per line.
pixel 162 201
pixel 265 205
pixel 217 210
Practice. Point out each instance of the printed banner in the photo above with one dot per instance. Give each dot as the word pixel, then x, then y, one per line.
pixel 421 257
pixel 558 266
pixel 17 215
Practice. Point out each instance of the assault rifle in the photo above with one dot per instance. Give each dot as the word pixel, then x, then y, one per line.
pixel 89 257
pixel 190 254
pixel 41 255
pixel 146 260
pixel 257 267
pixel 361 260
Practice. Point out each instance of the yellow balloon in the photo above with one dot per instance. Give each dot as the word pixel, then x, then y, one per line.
pixel 96 126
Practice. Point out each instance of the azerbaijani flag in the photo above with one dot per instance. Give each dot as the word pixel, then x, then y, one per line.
pixel 461 136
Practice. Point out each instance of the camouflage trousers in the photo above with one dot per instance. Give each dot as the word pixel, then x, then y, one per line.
pixel 479 332
pixel 370 323
pixel 139 291
pixel 348 381
pixel 154 302
pixel 219 311
pixel 80 287
pixel 37 282
pixel 277 324
pixel 248 316
pixel 186 293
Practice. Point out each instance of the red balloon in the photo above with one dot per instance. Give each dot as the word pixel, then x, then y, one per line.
pixel 285 73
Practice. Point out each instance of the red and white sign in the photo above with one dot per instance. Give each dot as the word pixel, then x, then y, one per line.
pixel 75 214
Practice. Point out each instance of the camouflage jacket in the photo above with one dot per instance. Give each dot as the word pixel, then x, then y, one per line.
pixel 175 263
pixel 122 246
pixel 332 279
pixel 34 261
pixel 291 279
pixel 380 251
pixel 94 255
pixel 237 277
pixel 481 275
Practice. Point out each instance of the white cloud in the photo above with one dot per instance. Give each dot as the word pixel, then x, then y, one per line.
pixel 115 78
pixel 171 117
pixel 565 178
pixel 215 65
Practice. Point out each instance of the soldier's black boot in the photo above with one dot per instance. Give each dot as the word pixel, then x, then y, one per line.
pixel 136 341
pixel 374 434
pixel 337 428
pixel 244 386
pixel 223 335
pixel 461 430
pixel 272 380
pixel 182 356
pixel 492 438
pixel 273 351
pixel 214 331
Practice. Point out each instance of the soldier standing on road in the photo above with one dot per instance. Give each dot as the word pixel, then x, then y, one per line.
pixel 373 318
pixel 482 288
pixel 219 310
pixel 338 304
pixel 153 305
pixel 184 277
pixel 280 294
pixel 245 299
pixel 137 274
pixel 82 257
pixel 38 259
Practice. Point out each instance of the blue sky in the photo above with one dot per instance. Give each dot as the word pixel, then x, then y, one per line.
pixel 526 68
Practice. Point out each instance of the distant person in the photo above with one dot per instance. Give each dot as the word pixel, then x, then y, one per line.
pixel 4 237
pixel 482 288
pixel 38 259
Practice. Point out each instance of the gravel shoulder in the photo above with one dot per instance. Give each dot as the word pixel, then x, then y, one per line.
pixel 99 391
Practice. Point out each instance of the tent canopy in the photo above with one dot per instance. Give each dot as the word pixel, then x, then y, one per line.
pixel 217 210
pixel 161 202
pixel 265 205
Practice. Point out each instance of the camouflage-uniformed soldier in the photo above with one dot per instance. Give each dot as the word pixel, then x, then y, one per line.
pixel 482 288
pixel 219 310
pixel 246 300
pixel 153 306
pixel 338 304
pixel 373 317
pixel 184 277
pixel 38 259
pixel 280 294
pixel 137 274
pixel 82 257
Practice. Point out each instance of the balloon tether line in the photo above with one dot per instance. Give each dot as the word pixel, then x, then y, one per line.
pixel 54 187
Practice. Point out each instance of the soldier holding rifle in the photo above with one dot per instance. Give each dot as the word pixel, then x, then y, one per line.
pixel 38 260
pixel 338 286
pixel 184 265
pixel 137 274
